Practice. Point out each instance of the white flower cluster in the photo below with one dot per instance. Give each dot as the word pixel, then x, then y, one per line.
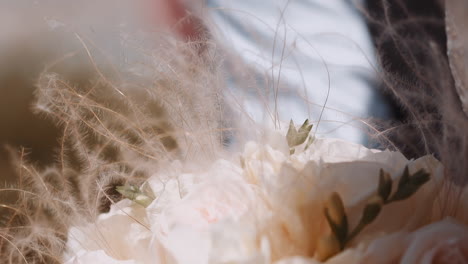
pixel 269 209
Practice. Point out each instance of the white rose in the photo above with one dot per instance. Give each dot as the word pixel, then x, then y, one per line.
pixel 208 220
pixel 96 257
pixel 122 234
pixel 270 210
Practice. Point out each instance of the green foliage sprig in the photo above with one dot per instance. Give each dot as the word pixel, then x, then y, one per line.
pixel 143 196
pixel 296 137
pixel 335 214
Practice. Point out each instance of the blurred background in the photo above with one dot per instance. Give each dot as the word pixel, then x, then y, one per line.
pixel 319 55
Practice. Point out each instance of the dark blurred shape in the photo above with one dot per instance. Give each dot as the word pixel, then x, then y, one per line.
pixel 403 32
pixel 19 127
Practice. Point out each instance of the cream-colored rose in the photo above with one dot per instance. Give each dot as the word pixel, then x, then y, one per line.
pixel 297 186
pixel 440 242
pixel 443 242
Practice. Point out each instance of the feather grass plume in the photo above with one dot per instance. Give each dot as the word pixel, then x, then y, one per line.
pixel 120 125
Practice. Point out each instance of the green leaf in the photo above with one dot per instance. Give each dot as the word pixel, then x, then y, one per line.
pixel 385 185
pixel 128 191
pixel 310 140
pixel 305 128
pixel 290 136
pixel 295 137
pixel 370 213
pixel 327 247
pixel 410 184
pixel 372 210
pixel 404 179
pixel 142 197
pixel 420 177
pixel 336 217
pixel 340 231
pixel 146 189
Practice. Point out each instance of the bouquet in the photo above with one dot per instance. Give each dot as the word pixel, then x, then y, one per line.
pixel 160 161
pixel 293 199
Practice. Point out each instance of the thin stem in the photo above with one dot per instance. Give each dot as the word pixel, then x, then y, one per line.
pixel 355 232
